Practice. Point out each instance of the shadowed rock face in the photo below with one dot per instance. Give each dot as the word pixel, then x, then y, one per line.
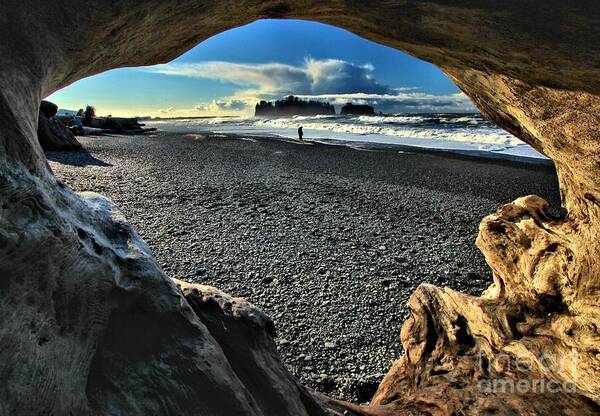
pixel 52 133
pixel 91 325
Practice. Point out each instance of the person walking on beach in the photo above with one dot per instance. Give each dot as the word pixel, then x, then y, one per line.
pixel 300 133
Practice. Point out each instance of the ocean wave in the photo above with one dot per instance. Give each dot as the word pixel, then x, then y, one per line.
pixel 401 119
pixel 476 135
pixel 421 119
pixel 209 121
pixel 468 120
pixel 454 132
pixel 471 128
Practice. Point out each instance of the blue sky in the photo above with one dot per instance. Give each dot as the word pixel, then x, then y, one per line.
pixel 268 59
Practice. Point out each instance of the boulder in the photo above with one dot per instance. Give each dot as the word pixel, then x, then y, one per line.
pixel 48 109
pixel 53 134
pixel 89 324
pixel 246 336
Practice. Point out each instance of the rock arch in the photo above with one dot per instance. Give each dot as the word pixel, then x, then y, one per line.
pixel 91 325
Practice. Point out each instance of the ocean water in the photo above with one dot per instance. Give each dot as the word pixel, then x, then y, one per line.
pixel 460 133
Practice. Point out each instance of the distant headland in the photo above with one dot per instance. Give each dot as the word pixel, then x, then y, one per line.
pixel 294 106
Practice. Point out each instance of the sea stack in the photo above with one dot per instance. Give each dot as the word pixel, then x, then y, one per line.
pixel 357 109
pixel 293 106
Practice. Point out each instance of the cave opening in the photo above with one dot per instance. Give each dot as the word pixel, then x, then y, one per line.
pixel 77 272
pixel 328 240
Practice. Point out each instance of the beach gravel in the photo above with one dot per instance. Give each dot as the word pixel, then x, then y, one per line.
pixel 329 241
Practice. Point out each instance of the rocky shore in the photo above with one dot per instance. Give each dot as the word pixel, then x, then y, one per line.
pixel 328 241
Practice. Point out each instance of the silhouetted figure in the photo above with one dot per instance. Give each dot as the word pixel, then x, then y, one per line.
pixel 300 133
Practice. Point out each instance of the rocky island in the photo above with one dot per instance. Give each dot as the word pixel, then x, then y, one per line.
pixel 293 106
pixel 357 109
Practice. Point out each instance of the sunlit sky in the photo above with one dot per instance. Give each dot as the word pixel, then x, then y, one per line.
pixel 268 59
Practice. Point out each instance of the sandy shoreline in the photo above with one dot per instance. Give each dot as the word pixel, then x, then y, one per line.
pixel 329 241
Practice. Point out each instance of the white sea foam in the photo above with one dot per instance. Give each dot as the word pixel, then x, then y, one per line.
pixel 409 128
pixel 389 119
pixel 453 132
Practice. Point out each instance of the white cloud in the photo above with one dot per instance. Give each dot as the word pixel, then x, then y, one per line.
pixel 167 110
pixel 329 76
pixel 217 106
pixel 402 102
pixel 330 80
